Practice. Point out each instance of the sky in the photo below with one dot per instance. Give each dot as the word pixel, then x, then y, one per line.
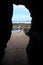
pixel 21 14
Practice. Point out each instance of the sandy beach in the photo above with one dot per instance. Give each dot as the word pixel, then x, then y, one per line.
pixel 15 53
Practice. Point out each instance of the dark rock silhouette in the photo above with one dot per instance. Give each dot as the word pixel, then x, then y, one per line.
pixel 35 47
pixel 5 26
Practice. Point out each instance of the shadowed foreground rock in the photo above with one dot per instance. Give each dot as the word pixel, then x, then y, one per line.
pixel 16 49
pixel 35 46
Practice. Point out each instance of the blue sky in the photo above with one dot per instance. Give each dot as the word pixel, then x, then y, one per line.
pixel 21 14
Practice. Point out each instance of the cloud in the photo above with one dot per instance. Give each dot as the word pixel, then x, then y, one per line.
pixel 20 14
pixel 21 18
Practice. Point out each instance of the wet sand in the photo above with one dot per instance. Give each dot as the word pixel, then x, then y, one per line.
pixel 15 53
